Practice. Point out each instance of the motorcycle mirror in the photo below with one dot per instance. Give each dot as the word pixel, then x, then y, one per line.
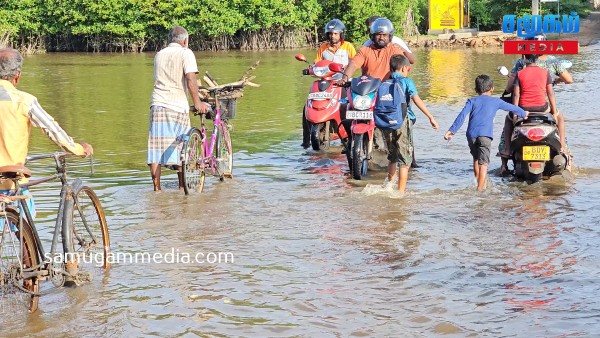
pixel 300 57
pixel 503 70
pixel 336 67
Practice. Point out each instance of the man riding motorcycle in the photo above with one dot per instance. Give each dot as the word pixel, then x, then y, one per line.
pixel 411 58
pixel 374 59
pixel 395 39
pixel 335 49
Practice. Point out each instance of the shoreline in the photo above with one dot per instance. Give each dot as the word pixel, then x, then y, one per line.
pixel 450 40
pixel 589 34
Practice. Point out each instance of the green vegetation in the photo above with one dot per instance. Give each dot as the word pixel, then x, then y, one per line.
pixel 137 25
pixel 487 14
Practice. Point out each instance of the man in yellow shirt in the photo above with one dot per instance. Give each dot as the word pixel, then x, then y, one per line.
pixel 335 48
pixel 18 112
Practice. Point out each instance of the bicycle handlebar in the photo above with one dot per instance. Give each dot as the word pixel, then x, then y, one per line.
pixel 57 156
pixel 195 111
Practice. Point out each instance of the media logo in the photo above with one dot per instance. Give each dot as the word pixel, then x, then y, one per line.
pixel 530 25
pixel 541 47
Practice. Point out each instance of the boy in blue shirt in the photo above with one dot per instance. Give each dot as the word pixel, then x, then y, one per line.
pixel 482 110
pixel 400 142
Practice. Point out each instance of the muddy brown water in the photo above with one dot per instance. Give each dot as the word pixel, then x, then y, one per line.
pixel 315 253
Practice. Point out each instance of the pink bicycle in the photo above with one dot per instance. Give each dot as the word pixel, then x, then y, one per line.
pixel 215 157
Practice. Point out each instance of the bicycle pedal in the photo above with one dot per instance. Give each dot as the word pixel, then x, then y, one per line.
pixel 82 278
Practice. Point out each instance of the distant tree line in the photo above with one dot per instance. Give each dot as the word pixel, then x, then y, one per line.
pixel 139 25
pixel 487 14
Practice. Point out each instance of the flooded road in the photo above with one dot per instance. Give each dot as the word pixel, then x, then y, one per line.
pixel 315 253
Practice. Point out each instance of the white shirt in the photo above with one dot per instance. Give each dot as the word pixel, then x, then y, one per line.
pixel 170 86
pixel 395 40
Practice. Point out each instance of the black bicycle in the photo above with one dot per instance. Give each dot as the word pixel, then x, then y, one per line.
pixel 80 226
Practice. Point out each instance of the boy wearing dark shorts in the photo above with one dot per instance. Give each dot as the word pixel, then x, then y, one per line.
pixel 481 110
pixel 400 142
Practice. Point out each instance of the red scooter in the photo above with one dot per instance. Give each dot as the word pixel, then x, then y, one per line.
pixel 322 108
pixel 361 103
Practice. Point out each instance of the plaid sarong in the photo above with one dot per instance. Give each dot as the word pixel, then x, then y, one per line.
pixel 167 128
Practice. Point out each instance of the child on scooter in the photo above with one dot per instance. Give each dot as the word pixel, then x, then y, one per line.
pixel 400 142
pixel 482 110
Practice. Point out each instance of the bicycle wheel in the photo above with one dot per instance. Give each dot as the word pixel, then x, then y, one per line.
pixel 224 151
pixel 192 162
pixel 15 257
pixel 91 244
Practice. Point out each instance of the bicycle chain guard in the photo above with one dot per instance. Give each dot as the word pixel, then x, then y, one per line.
pixel 14 270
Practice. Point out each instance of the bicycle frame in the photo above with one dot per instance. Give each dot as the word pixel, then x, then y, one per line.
pixel 64 213
pixel 210 160
pixel 199 155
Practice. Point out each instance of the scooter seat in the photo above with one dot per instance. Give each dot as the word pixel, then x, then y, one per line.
pixel 537 118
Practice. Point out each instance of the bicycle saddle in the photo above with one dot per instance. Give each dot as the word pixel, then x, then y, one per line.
pixel 11 171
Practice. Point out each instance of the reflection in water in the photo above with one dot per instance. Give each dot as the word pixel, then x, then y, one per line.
pixel 540 246
pixel 315 253
pixel 448 70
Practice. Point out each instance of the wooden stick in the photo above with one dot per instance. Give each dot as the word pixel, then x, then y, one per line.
pixel 209 82
pixel 245 80
pixel 253 67
pixel 8 199
pixel 252 84
pixel 211 78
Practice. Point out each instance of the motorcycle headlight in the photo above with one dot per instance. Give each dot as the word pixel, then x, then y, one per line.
pixel 320 71
pixel 362 102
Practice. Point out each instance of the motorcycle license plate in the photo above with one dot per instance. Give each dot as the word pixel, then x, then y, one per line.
pixel 536 153
pixel 359 115
pixel 320 96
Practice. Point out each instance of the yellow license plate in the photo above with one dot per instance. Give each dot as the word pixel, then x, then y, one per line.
pixel 536 153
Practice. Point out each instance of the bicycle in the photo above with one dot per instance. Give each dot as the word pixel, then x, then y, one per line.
pixel 80 223
pixel 197 155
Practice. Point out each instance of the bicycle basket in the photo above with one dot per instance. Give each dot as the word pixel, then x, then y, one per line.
pixel 228 108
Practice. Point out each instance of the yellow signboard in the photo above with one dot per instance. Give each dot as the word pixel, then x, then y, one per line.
pixel 447 14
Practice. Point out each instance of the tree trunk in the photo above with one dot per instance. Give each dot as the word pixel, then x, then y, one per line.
pixel 535 7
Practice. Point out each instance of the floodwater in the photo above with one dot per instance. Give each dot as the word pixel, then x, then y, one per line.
pixel 314 252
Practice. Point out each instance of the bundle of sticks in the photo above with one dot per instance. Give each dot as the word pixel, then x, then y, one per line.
pixel 245 80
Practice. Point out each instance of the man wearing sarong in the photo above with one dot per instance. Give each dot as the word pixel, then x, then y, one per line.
pixel 175 72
